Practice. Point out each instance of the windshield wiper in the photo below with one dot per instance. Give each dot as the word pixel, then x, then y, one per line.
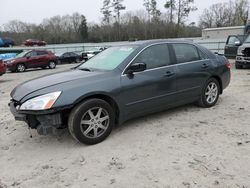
pixel 85 69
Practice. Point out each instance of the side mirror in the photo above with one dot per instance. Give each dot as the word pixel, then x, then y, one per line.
pixel 237 43
pixel 28 56
pixel 136 67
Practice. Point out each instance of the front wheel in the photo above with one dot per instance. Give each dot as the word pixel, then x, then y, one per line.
pixel 52 65
pixel 210 93
pixel 91 122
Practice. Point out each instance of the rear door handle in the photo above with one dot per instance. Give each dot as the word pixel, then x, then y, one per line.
pixel 169 74
pixel 204 66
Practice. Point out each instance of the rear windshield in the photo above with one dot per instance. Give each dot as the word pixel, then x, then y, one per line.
pixel 109 59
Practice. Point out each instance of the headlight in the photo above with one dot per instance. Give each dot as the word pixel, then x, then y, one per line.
pixel 240 49
pixel 43 102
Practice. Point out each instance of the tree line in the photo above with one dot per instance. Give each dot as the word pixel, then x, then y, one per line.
pixel 117 24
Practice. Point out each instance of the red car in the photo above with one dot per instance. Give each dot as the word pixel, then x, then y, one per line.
pixel 2 67
pixel 34 42
pixel 32 59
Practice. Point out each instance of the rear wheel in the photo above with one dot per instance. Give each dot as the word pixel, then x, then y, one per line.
pixel 91 122
pixel 210 93
pixel 20 67
pixel 52 65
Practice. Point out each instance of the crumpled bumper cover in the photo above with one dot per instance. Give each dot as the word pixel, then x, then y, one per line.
pixel 44 123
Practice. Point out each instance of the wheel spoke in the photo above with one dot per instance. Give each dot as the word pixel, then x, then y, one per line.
pixel 85 122
pixel 102 127
pixel 104 118
pixel 99 113
pixel 95 132
pixel 88 130
pixel 91 114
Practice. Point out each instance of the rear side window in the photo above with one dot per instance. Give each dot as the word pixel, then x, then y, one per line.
pixel 32 54
pixel 41 53
pixel 186 53
pixel 154 56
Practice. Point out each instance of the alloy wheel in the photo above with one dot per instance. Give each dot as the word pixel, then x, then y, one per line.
pixel 211 92
pixel 94 122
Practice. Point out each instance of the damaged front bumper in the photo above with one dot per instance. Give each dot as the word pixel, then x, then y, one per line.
pixel 44 123
pixel 242 60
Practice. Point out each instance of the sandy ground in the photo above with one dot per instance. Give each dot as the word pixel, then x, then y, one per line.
pixel 182 147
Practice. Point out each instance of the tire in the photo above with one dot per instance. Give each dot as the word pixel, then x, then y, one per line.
pixel 52 65
pixel 20 67
pixel 95 130
pixel 209 97
pixel 237 66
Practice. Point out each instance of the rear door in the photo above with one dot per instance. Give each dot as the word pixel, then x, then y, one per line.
pixel 192 70
pixel 152 89
pixel 42 58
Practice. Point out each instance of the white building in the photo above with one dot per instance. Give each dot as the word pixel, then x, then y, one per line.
pixel 222 32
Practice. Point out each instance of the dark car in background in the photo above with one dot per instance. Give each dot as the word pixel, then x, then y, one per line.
pixel 6 42
pixel 92 52
pixel 119 84
pixel 32 59
pixel 34 42
pixel 3 67
pixel 243 55
pixel 69 57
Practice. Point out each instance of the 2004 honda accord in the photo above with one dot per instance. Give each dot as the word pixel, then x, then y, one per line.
pixel 121 83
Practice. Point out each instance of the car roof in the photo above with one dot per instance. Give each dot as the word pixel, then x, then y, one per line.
pixel 155 41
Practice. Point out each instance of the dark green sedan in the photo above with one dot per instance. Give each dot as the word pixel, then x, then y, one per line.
pixel 121 83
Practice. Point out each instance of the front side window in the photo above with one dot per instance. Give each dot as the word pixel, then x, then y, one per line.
pixel 232 40
pixel 186 53
pixel 154 56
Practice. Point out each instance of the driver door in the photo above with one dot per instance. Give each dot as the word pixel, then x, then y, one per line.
pixel 153 89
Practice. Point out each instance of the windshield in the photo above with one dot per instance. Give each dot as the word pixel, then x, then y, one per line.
pixel 247 40
pixel 21 54
pixel 109 59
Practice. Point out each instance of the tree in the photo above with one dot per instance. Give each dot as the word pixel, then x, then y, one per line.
pixel 225 14
pixel 118 7
pixel 83 29
pixel 156 13
pixel 182 9
pixel 241 11
pixel 151 8
pixel 170 4
pixel 105 10
pixel 146 3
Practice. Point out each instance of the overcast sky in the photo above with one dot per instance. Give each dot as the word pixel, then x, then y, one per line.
pixel 34 11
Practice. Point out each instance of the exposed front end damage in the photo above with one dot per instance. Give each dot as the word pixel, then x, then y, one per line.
pixel 44 123
pixel 243 58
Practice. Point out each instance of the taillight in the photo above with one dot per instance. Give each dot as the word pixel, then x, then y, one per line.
pixel 228 65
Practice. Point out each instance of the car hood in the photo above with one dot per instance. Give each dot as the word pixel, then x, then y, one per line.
pixel 32 86
pixel 245 45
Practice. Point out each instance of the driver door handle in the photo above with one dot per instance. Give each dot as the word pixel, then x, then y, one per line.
pixel 205 65
pixel 169 74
